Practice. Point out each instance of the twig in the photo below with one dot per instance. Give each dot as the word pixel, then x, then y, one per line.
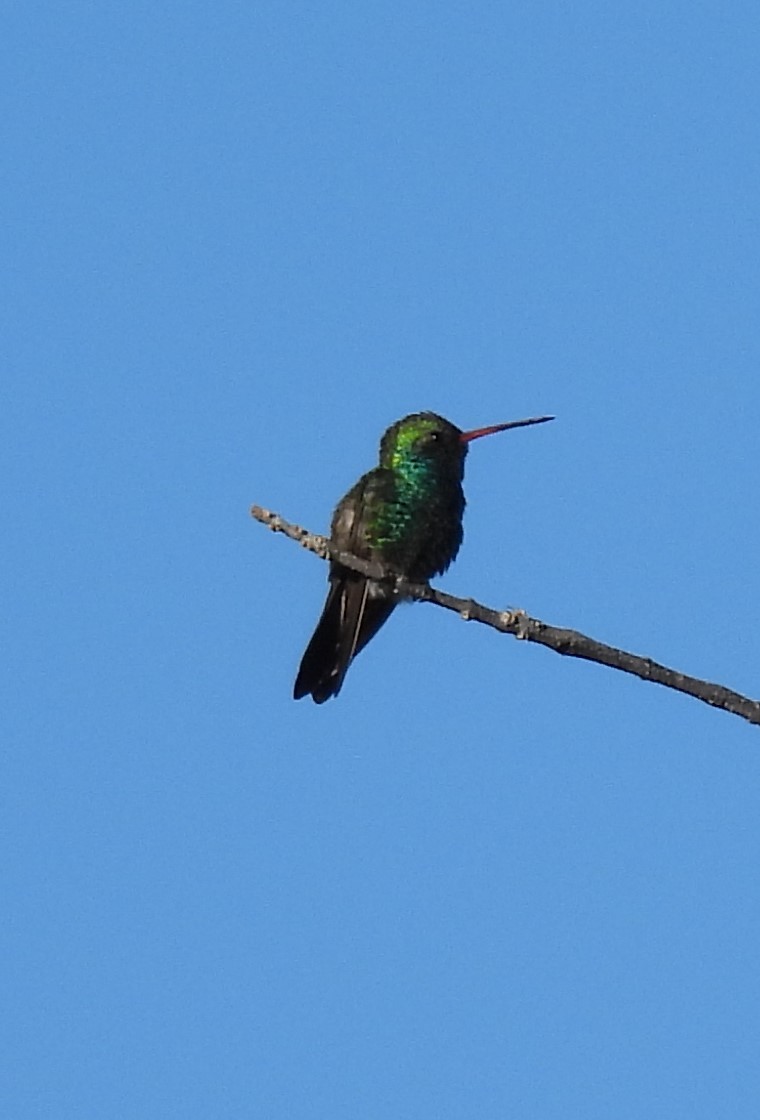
pixel 570 643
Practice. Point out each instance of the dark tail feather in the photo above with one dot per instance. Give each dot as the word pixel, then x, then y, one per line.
pixel 350 618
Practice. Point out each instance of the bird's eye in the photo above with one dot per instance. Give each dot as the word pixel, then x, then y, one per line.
pixel 434 437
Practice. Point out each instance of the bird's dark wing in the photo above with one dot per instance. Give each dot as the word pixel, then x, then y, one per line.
pixel 355 608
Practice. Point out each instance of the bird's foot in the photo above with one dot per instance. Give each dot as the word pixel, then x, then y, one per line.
pixel 402 587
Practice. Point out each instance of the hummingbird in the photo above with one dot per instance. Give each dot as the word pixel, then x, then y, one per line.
pixel 406 513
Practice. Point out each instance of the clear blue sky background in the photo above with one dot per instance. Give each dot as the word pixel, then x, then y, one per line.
pixel 238 241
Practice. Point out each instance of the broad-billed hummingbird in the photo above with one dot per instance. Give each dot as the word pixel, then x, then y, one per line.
pixel 407 514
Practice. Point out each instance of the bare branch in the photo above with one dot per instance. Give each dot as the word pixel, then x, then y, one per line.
pixel 570 643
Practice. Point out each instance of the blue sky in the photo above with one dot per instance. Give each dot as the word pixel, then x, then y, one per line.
pixel 240 240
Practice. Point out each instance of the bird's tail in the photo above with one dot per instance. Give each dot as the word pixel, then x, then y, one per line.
pixel 352 615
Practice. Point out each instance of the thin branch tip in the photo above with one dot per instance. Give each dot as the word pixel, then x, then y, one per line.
pixel 568 643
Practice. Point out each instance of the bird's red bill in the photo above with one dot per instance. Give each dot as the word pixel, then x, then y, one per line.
pixel 476 433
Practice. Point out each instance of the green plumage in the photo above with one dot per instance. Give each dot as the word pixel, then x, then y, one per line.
pixel 406 513
pixel 412 504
